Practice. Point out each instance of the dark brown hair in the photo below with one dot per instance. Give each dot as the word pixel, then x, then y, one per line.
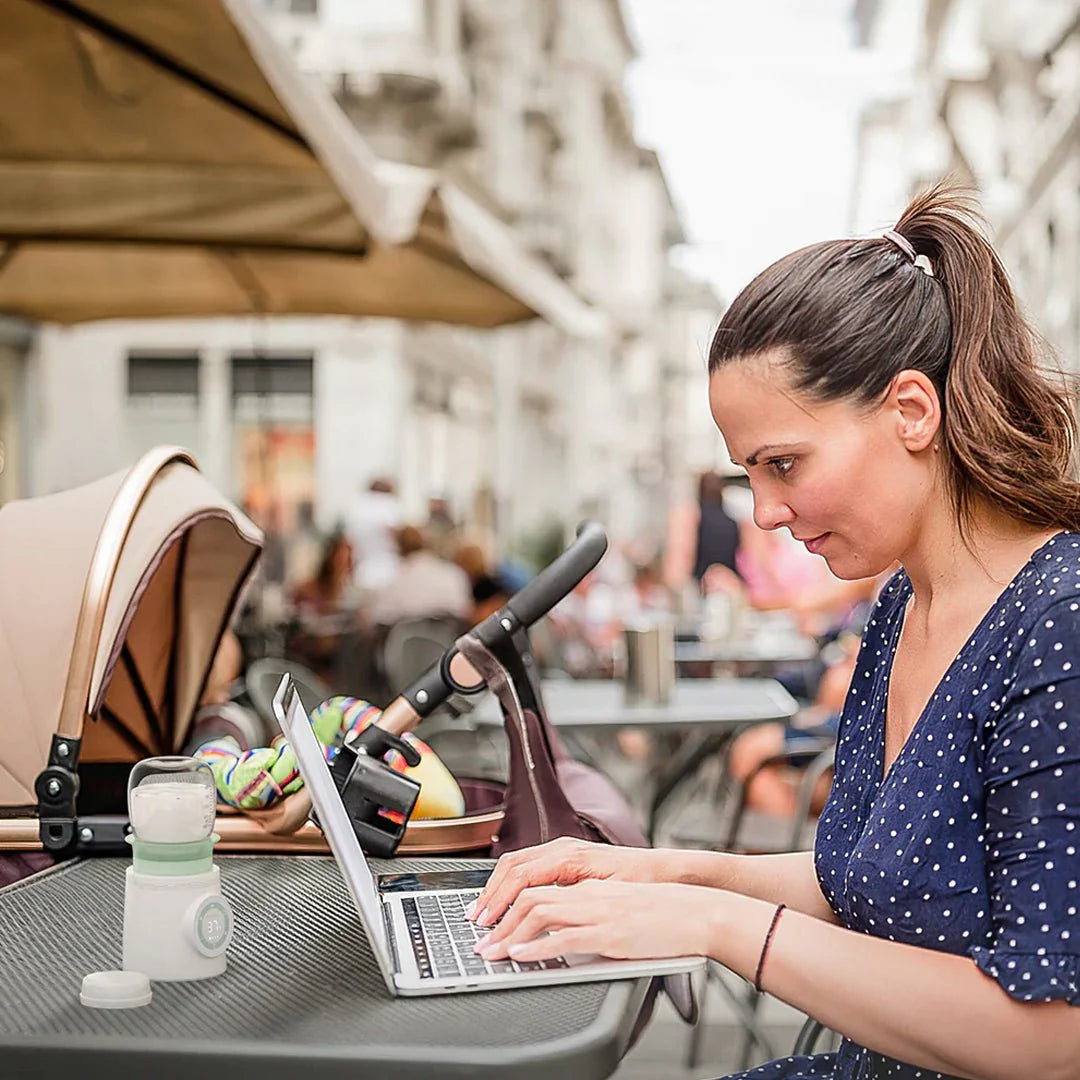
pixel 848 315
pixel 410 540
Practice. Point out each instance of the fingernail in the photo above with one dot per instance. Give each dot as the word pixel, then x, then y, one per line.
pixel 482 918
pixel 516 950
pixel 470 909
pixel 479 947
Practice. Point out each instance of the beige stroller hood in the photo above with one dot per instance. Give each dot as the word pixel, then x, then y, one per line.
pixel 113 598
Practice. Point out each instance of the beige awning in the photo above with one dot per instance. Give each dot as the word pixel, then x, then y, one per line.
pixel 168 158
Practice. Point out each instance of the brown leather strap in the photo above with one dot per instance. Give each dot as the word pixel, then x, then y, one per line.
pixel 537 809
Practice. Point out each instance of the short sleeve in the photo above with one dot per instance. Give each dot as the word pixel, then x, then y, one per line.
pixel 1031 775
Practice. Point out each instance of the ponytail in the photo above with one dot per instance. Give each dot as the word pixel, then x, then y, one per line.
pixel 1010 431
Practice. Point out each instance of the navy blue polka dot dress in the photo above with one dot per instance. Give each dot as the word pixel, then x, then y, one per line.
pixel 970 843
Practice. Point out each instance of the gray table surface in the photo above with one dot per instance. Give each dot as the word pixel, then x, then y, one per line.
pixel 302 993
pixel 601 703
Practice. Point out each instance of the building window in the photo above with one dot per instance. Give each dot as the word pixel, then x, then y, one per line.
pixel 167 380
pixel 274 451
pixel 279 376
pixel 162 400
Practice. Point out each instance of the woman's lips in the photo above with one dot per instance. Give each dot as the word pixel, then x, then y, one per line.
pixel 814 545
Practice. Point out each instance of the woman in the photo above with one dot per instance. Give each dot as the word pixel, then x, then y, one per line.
pixel 489 591
pixel 775 789
pixel 327 592
pixel 885 399
pixel 319 605
pixel 717 531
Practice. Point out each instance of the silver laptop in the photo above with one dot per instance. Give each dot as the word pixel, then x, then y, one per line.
pixel 415 922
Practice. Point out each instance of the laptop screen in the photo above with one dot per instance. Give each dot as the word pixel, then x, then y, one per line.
pixel 293 719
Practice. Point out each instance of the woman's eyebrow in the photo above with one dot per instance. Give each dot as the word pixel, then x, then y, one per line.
pixel 768 448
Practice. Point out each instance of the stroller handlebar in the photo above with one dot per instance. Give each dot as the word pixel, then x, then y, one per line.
pixel 557 579
pixel 526 607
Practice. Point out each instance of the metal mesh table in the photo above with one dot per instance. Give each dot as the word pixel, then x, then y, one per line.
pixel 302 991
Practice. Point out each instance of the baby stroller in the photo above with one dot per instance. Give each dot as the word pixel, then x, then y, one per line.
pixel 547 793
pixel 113 600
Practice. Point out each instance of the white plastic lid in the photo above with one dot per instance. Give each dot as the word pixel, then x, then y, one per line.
pixel 115 990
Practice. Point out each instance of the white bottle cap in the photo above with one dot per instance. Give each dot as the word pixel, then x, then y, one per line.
pixel 115 990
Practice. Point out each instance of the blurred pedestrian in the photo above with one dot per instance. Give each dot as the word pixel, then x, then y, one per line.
pixel 423 586
pixel 328 590
pixel 370 524
pixel 718 535
pixel 323 609
pixel 489 591
pixel 441 530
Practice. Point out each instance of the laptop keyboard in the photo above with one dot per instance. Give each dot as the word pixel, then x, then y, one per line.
pixel 442 939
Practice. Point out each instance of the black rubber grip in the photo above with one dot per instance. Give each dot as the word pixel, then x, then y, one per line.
pixel 558 578
pixel 526 606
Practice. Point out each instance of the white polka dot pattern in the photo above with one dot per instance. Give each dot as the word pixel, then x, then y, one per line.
pixel 969 844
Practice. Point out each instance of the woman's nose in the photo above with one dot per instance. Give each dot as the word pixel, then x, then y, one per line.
pixel 771 513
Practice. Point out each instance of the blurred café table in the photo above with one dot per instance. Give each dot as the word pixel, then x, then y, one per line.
pixel 756 651
pixel 741 642
pixel 705 714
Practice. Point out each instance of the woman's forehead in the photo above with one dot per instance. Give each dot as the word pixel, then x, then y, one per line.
pixel 758 393
pixel 756 375
pixel 753 401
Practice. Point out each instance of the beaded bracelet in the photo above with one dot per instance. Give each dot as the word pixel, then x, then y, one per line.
pixel 765 947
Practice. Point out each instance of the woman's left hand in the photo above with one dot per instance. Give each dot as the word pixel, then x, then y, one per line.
pixel 618 919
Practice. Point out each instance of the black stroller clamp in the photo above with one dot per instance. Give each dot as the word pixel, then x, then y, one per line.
pixel 369 787
pixel 378 799
pixel 56 788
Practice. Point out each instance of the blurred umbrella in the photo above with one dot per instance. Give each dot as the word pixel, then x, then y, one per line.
pixel 168 158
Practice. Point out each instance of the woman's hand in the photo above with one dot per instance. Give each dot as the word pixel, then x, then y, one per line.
pixel 618 919
pixel 564 861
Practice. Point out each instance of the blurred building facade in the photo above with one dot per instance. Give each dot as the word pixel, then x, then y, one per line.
pixel 522 103
pixel 993 97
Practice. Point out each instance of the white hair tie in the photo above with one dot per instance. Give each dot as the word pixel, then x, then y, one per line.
pixel 902 242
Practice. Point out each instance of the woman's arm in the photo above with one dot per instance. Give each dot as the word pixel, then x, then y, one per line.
pixel 779 879
pixel 789 879
pixel 935 1010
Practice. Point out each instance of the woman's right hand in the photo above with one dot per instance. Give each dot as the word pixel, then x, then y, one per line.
pixel 564 861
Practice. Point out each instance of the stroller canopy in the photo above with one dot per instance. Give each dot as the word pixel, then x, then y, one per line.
pixel 113 598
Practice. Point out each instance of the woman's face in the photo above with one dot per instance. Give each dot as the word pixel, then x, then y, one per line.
pixel 852 483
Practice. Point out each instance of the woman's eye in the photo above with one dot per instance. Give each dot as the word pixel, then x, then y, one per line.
pixel 781 466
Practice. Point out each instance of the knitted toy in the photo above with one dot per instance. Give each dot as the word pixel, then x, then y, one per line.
pixel 254 779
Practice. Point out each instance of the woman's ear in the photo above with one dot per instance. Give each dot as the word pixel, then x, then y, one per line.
pixel 917 408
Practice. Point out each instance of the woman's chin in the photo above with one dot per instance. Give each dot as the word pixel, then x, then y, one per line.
pixel 841 565
pixel 849 566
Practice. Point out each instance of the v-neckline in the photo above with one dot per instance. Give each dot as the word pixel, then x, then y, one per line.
pixel 883 774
